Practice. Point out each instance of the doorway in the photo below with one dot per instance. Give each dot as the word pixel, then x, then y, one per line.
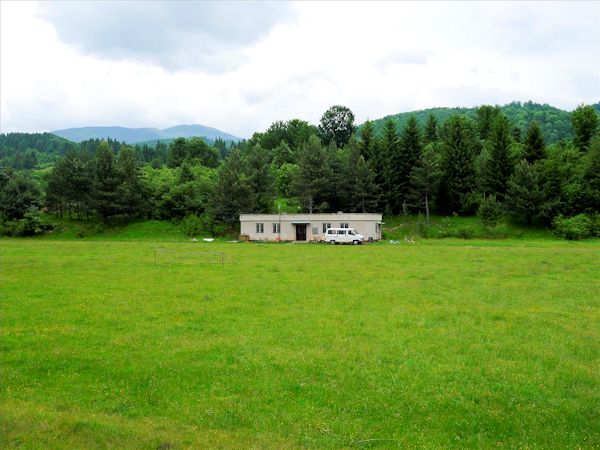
pixel 300 232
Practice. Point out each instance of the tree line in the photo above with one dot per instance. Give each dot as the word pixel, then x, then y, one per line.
pixel 464 165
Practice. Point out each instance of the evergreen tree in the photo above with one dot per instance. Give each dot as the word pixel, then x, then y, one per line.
pixel 486 114
pixel 260 179
pixel 106 182
pixel 535 147
pixel 457 178
pixel 233 194
pixel 368 140
pixel 499 167
pixel 424 178
pixel 584 121
pixel 388 147
pixel 130 190
pixel 313 174
pixel 431 130
pixel 402 163
pixel 524 195
pixel 360 183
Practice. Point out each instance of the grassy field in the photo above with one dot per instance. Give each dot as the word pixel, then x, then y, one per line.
pixel 444 343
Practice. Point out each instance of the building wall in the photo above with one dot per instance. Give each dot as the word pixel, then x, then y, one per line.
pixel 365 224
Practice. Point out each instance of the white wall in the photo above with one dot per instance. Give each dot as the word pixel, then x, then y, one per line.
pixel 368 228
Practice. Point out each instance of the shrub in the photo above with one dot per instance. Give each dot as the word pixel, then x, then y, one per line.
pixel 192 225
pixel 490 211
pixel 573 228
pixel 29 225
pixel 465 232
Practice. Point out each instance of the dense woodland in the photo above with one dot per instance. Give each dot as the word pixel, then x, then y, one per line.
pixel 521 161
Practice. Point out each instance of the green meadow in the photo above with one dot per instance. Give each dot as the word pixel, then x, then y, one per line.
pixel 444 343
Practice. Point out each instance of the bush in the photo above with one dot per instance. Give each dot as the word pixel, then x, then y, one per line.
pixel 29 225
pixel 573 228
pixel 465 232
pixel 192 225
pixel 490 211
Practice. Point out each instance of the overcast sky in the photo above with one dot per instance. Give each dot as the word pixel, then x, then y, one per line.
pixel 240 66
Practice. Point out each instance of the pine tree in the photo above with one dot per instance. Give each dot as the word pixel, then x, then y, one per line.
pixel 486 114
pixel 499 167
pixel 424 178
pixel 233 194
pixel 313 174
pixel 535 147
pixel 457 179
pixel 367 140
pixel 524 195
pixel 106 182
pixel 130 190
pixel 360 183
pixel 402 163
pixel 431 130
pixel 389 146
pixel 260 178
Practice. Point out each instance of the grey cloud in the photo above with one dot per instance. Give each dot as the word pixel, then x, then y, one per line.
pixel 172 34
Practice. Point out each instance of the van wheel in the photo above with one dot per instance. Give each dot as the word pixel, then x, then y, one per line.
pixel 355 242
pixel 332 242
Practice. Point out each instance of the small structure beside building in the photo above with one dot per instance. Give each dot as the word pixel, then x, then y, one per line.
pixel 306 227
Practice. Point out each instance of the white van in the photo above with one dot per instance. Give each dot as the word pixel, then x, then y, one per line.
pixel 343 236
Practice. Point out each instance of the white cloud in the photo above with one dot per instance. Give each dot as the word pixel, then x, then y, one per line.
pixel 376 58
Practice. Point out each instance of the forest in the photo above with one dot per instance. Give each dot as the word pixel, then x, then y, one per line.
pixel 494 162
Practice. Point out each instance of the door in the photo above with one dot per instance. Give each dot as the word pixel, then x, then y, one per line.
pixel 300 232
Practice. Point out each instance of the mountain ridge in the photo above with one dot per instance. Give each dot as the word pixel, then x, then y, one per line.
pixel 144 134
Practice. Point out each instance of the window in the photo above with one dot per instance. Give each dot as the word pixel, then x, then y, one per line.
pixel 315 230
pixel 351 232
pixel 341 231
pixel 330 231
pixel 344 225
pixel 326 226
pixel 260 228
pixel 276 228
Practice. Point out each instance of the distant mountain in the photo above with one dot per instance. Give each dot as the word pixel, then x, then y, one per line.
pixel 135 135
pixel 555 123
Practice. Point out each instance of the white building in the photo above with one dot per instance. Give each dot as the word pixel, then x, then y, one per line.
pixel 307 227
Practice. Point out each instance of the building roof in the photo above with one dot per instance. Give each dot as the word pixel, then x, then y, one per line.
pixel 308 218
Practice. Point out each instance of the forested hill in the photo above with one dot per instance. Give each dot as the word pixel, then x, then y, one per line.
pixel 138 135
pixel 555 123
pixel 27 150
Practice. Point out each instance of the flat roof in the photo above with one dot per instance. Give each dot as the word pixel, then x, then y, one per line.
pixel 309 218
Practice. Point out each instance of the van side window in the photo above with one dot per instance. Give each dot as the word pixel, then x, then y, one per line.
pixel 341 232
